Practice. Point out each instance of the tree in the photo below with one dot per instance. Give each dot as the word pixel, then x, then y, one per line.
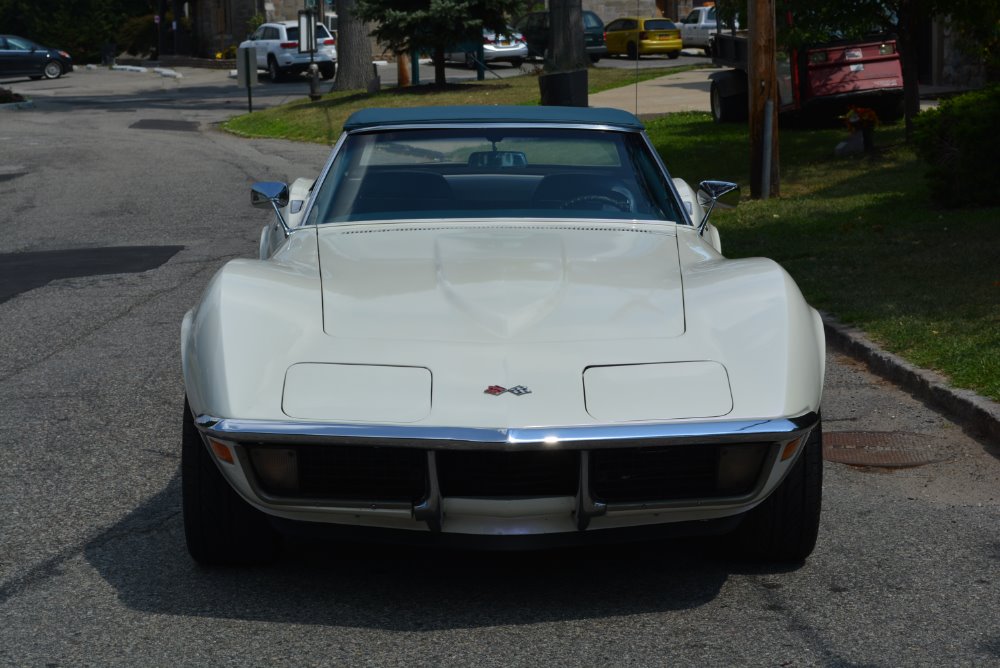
pixel 435 25
pixel 81 27
pixel 564 81
pixel 354 49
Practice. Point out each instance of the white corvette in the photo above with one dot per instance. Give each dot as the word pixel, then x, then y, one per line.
pixel 499 327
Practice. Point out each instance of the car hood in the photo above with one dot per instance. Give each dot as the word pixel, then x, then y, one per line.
pixel 519 281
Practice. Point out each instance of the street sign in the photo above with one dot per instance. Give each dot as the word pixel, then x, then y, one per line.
pixel 307 31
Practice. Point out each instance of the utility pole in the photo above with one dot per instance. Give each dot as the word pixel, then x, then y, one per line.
pixel 763 84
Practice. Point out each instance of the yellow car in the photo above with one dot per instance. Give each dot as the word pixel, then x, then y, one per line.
pixel 636 36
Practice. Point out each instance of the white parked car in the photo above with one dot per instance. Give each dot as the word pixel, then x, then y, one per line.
pixel 499 326
pixel 508 47
pixel 699 26
pixel 277 46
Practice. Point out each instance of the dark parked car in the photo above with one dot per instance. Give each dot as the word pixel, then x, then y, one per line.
pixel 535 28
pixel 22 57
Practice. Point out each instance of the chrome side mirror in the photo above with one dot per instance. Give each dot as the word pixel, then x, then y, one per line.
pixel 271 193
pixel 712 191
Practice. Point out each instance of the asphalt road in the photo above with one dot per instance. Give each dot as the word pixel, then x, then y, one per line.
pixel 93 569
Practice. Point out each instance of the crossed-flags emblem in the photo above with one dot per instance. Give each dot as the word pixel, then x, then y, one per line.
pixel 497 390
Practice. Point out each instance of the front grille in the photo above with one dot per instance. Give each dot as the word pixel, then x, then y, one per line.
pixel 674 472
pixel 641 474
pixel 478 473
pixel 352 473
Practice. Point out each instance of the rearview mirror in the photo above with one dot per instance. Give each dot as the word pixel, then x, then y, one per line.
pixel 710 193
pixel 498 159
pixel 271 193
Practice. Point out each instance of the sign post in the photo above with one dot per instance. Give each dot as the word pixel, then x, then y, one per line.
pixel 246 71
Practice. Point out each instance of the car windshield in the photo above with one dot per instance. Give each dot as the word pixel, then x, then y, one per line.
pixel 478 172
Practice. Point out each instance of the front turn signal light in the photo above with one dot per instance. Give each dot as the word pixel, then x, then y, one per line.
pixel 222 451
pixel 789 451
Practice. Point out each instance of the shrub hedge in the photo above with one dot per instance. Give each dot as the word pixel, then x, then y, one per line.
pixel 960 141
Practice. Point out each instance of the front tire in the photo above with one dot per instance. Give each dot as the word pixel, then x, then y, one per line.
pixel 53 70
pixel 784 527
pixel 327 71
pixel 220 527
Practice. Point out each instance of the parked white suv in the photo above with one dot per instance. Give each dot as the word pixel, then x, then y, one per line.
pixel 277 46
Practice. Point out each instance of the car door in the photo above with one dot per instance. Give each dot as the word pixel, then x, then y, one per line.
pixel 6 65
pixel 266 45
pixel 253 41
pixel 613 35
pixel 19 56
pixel 689 28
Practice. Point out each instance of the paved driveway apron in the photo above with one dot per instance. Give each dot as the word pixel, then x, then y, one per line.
pixel 92 562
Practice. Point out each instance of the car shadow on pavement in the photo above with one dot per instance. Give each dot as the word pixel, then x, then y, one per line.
pixel 399 588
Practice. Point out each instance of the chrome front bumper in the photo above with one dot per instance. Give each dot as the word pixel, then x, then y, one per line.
pixel 436 512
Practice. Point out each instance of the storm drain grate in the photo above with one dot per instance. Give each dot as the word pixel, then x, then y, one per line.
pixel 884 449
pixel 163 124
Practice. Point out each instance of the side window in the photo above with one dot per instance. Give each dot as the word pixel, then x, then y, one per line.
pixel 614 25
pixel 691 18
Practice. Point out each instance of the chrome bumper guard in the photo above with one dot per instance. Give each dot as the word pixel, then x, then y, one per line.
pixel 583 438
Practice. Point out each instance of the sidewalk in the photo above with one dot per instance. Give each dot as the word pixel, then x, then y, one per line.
pixel 684 91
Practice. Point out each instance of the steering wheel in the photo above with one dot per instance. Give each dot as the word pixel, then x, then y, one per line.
pixel 621 204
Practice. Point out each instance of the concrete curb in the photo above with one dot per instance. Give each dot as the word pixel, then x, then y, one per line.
pixel 978 413
pixel 17 106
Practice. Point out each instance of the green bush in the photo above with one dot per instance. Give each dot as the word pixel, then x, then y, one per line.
pixel 137 35
pixel 960 141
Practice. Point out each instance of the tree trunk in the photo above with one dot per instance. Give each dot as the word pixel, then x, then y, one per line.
pixel 354 50
pixel 439 79
pixel 564 81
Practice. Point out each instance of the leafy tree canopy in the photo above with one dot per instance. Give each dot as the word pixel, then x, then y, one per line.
pixel 80 27
pixel 435 26
pixel 404 25
pixel 977 21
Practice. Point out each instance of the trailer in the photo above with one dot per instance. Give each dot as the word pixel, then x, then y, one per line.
pixel 825 78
